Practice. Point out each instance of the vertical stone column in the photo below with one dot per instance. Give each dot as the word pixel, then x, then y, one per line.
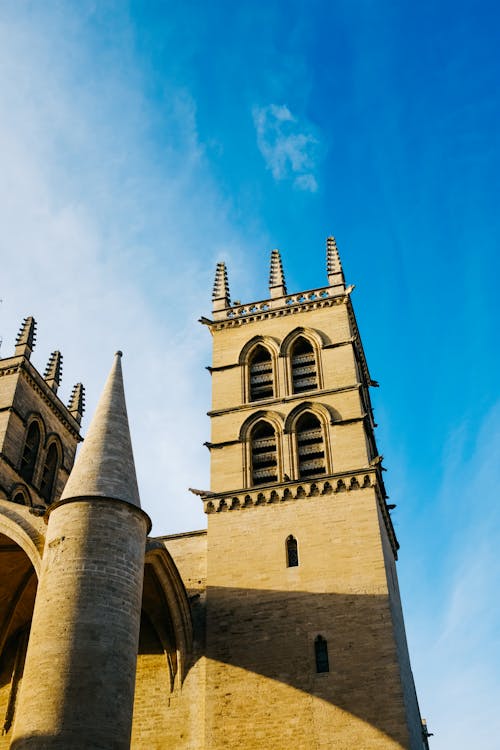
pixel 78 686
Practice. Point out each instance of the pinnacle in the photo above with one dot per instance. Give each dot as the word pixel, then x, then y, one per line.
pixel 76 405
pixel 277 284
pixel 334 264
pixel 25 341
pixel 220 295
pixel 105 464
pixel 53 371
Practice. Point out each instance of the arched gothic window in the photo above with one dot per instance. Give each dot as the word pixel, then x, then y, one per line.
pixel 304 367
pixel 30 452
pixel 49 473
pixel 292 552
pixel 310 446
pixel 264 453
pixel 19 499
pixel 321 654
pixel 261 374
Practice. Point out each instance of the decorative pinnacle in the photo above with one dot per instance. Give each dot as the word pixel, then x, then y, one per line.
pixel 25 341
pixel 53 371
pixel 334 264
pixel 220 295
pixel 76 405
pixel 277 285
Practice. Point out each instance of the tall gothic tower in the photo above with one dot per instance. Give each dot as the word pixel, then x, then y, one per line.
pixel 306 644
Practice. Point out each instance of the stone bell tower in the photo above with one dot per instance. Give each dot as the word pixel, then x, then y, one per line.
pixel 306 643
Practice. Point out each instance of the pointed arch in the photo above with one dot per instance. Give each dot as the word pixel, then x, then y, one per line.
pixel 258 360
pixel 292 552
pixel 20 495
pixel 261 435
pixel 34 435
pixel 308 425
pixel 302 350
pixel 51 465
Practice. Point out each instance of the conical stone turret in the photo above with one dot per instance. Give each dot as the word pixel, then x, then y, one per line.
pixel 85 629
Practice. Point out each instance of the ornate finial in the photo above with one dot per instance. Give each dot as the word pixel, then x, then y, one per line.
pixel 76 404
pixel 277 285
pixel 53 371
pixel 25 341
pixel 334 264
pixel 220 294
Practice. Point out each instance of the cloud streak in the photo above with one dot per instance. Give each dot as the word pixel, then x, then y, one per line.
pixel 289 148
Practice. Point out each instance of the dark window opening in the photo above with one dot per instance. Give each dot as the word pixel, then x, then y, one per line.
pixel 292 552
pixel 30 452
pixel 310 446
pixel 304 371
pixel 19 499
pixel 49 474
pixel 261 374
pixel 264 454
pixel 321 654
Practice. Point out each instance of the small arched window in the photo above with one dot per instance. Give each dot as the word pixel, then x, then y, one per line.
pixel 30 452
pixel 264 453
pixel 321 654
pixel 292 552
pixel 49 473
pixel 304 367
pixel 19 499
pixel 310 446
pixel 261 374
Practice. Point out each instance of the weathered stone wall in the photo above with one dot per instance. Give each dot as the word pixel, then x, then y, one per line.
pixel 263 690
pixel 78 683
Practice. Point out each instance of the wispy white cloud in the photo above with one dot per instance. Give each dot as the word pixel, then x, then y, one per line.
pixel 459 629
pixel 98 241
pixel 289 147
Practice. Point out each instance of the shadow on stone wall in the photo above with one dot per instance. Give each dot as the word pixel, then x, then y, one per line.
pixel 272 633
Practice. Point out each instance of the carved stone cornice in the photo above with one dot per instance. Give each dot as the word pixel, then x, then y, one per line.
pixel 333 484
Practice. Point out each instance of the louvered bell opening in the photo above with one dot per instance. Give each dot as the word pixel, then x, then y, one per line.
pixel 304 373
pixel 310 447
pixel 264 455
pixel 261 375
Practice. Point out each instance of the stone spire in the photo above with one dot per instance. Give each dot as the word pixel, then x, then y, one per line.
pixel 25 341
pixel 334 265
pixel 105 464
pixel 277 285
pixel 53 371
pixel 220 295
pixel 76 405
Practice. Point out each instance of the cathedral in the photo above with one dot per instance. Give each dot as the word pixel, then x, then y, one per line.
pixel 279 625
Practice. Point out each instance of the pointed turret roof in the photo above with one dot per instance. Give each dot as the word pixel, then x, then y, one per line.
pixel 105 464
pixel 277 285
pixel 76 403
pixel 334 264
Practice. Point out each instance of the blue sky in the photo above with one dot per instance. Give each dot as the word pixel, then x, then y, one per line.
pixel 141 142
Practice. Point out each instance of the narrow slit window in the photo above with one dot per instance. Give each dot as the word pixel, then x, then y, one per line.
pixel 49 474
pixel 30 452
pixel 264 454
pixel 321 654
pixel 310 447
pixel 304 368
pixel 261 374
pixel 292 552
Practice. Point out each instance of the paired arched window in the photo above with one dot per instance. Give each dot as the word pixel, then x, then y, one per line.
pixel 260 367
pixel 49 473
pixel 321 654
pixel 30 452
pixel 264 453
pixel 310 446
pixel 292 552
pixel 303 365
